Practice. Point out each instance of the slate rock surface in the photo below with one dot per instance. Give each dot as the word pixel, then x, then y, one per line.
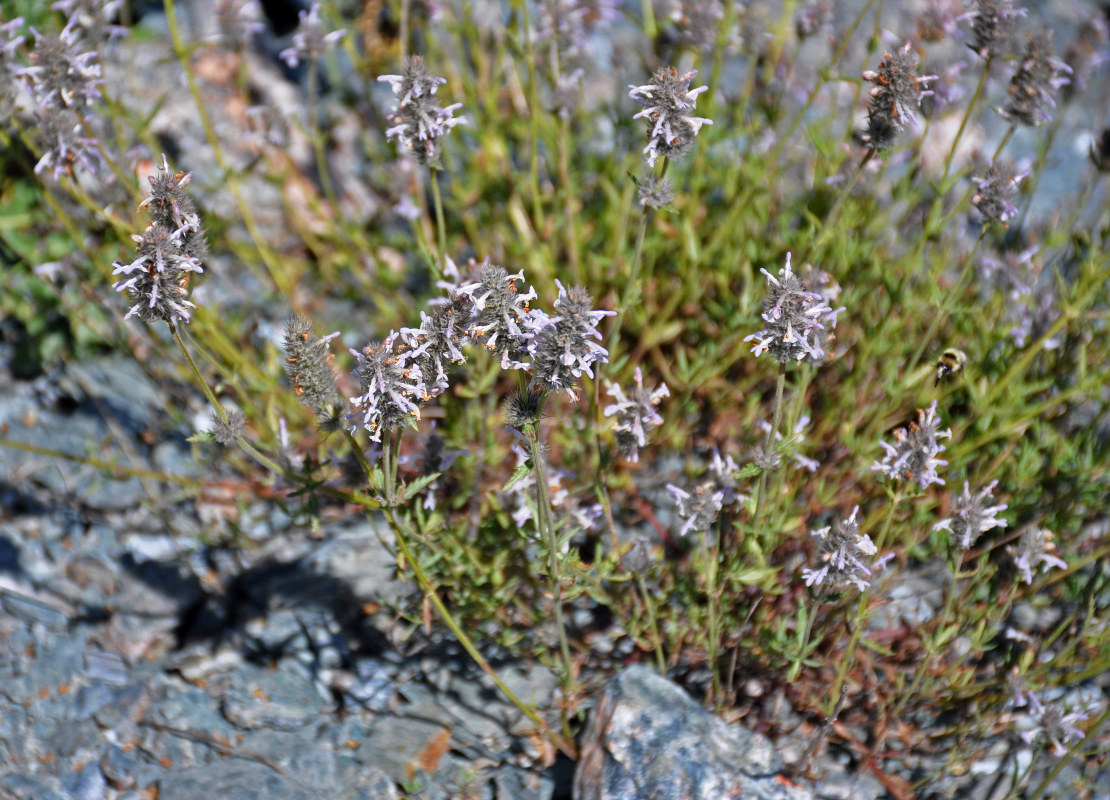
pixel 648 740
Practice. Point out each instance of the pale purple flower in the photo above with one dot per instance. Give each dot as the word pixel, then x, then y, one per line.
pixel 992 24
pixel 439 340
pixel 1035 551
pixel 239 21
pixel 815 15
pixel 310 40
pixel 797 321
pixel 158 279
pixel 392 388
pixel 61 133
pixel 635 414
pixel 845 556
pixel 501 310
pixel 996 192
pixel 1086 53
pixel 972 516
pixel 668 106
pixel 895 97
pixel 562 347
pixel 1032 89
pixel 913 456
pixel 700 507
pixel 61 71
pixel 938 21
pixel 419 121
pixel 1055 726
pixel 92 17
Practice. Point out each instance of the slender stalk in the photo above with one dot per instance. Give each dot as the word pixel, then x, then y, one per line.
pixel 799 657
pixel 861 606
pixel 768 443
pixel 649 608
pixel 441 226
pixel 565 744
pixel 932 648
pixel 828 224
pixel 545 523
pixel 246 446
pixel 712 645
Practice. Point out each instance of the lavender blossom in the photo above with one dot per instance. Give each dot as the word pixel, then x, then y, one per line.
pixel 816 14
pixel 419 122
pixel 972 517
pixel 571 22
pixel 1086 53
pixel 309 40
pixel 700 507
pixel 60 72
pixel 697 23
pixel 1055 726
pixel 310 365
pixel 1031 91
pixel 239 21
pixel 896 95
pixel 61 134
pixel 169 250
pixel 996 191
pixel 439 340
pixel 562 347
pixel 635 414
pixel 913 456
pixel 392 390
pixel 668 104
pixel 1035 551
pixel 501 311
pixel 992 24
pixel 93 18
pixel 798 321
pixel 843 553
pixel 939 20
pixel 158 281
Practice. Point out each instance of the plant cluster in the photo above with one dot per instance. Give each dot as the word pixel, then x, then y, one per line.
pixel 726 515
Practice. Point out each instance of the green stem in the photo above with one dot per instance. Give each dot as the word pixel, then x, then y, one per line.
pixel 565 744
pixel 933 647
pixel 649 608
pixel 545 523
pixel 246 446
pixel 861 606
pixel 440 264
pixel 768 444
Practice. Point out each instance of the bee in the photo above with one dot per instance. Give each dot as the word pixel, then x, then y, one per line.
pixel 951 362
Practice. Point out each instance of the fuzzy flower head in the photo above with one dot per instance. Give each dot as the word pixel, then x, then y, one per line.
pixel 938 21
pixel 439 340
pixel 635 414
pixel 668 106
pixel 562 347
pixel 310 365
pixel 1053 725
pixel 913 456
pixel 92 17
pixel 238 21
pixel 1035 551
pixel 972 515
pixel 419 121
pixel 60 133
pixel 310 40
pixel 1033 87
pixel 996 192
pixel 846 556
pixel 815 15
pixel 62 72
pixel 895 97
pixel 797 322
pixel 392 389
pixel 654 192
pixel 158 279
pixel 500 309
pixel 992 25
pixel 698 509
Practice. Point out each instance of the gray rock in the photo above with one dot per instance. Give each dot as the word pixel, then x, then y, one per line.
pixel 283 699
pixel 88 784
pixel 233 780
pixel 648 739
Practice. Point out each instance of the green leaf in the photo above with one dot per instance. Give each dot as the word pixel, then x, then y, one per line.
pixel 519 474
pixel 418 485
